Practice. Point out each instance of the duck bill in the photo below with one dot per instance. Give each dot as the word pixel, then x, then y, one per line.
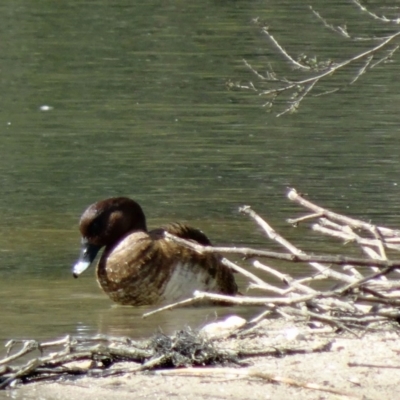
pixel 88 254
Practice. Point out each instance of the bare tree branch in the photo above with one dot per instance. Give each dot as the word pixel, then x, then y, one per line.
pixel 297 90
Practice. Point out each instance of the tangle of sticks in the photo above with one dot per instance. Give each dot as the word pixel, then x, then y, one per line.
pixel 364 292
pixel 363 295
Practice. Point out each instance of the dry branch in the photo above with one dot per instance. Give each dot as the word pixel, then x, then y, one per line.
pixel 346 305
pixel 96 355
pixel 351 300
pixel 102 356
pixel 297 89
pixel 248 252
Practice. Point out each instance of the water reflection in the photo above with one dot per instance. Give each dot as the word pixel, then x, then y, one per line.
pixel 128 321
pixel 65 307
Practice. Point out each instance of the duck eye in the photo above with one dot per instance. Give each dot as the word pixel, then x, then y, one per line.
pixel 95 226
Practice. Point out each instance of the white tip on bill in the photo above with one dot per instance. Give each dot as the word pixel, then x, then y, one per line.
pixel 79 267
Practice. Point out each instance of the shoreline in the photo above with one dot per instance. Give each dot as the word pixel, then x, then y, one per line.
pixel 279 359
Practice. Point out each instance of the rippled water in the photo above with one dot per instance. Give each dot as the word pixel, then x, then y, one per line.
pixel 102 99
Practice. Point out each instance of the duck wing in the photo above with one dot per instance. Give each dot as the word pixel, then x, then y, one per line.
pixel 184 232
pixel 198 271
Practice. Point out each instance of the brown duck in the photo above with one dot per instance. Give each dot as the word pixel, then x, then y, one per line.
pixel 140 267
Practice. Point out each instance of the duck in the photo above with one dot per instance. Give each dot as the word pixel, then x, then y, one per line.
pixel 140 267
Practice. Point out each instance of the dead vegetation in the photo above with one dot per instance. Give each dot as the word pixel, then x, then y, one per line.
pixel 101 356
pixel 365 291
pixel 363 297
pixel 310 74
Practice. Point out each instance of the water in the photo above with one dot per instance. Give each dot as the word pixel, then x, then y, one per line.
pixel 102 99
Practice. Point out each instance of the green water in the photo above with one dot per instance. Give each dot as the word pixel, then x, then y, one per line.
pixel 138 105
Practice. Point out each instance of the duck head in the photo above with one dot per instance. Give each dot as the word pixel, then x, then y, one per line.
pixel 105 223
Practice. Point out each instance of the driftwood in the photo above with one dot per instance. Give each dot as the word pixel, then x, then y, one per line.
pixel 103 356
pixel 68 357
pixel 364 295
pixel 357 298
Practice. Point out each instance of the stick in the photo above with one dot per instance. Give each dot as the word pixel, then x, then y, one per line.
pixel 249 252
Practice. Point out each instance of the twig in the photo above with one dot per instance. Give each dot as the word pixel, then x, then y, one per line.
pixel 284 277
pixel 386 58
pixel 284 52
pixel 28 346
pixel 247 274
pixel 249 252
pixel 375 16
pixel 29 367
pixel 298 89
pixel 384 41
pixel 296 221
pixel 171 306
pixel 341 30
pixel 366 365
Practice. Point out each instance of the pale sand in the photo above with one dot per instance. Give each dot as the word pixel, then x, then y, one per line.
pixel 328 369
